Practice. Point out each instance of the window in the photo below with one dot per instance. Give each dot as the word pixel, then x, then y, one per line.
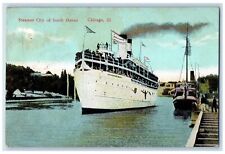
pixel 78 65
pixel 179 93
pixel 135 90
pixel 191 93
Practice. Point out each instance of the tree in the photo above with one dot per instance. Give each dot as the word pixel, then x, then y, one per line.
pixel 48 72
pixel 19 77
pixel 209 83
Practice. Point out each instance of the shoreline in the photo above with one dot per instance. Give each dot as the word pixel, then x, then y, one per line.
pixel 39 99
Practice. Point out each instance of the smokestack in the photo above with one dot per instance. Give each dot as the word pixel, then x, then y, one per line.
pixel 192 76
pixel 123 36
pixel 129 47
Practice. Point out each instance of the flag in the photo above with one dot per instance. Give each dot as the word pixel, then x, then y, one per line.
pixel 142 44
pixel 117 38
pixel 146 58
pixel 89 30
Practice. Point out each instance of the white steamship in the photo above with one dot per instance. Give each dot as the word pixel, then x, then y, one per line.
pixel 105 81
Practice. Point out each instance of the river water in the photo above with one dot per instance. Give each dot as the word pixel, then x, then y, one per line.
pixel 63 125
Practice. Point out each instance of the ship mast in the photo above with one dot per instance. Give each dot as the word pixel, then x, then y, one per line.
pixel 187 53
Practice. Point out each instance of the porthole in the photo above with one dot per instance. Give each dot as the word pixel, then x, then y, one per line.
pixel 135 90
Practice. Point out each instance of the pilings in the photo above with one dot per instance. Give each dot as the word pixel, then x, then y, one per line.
pixel 205 132
pixel 208 134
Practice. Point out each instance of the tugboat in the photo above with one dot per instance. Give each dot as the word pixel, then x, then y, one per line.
pixel 107 82
pixel 185 97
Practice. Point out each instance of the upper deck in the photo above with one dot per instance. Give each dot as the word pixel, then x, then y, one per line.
pixel 103 59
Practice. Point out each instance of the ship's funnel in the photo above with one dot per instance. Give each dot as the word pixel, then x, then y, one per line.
pixel 123 36
pixel 192 76
pixel 129 47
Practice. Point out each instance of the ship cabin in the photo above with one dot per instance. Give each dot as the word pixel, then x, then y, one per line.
pixel 181 92
pixel 103 59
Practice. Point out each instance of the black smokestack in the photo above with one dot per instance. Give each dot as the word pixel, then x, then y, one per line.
pixel 151 28
pixel 192 75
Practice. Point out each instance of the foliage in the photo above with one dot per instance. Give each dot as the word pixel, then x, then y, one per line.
pixel 204 87
pixel 19 77
pixel 209 83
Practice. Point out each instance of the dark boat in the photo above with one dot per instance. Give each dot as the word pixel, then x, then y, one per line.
pixel 187 102
pixel 185 96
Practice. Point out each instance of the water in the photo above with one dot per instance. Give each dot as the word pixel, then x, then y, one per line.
pixel 63 125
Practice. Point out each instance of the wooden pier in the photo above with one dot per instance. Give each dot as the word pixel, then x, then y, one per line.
pixel 40 100
pixel 206 131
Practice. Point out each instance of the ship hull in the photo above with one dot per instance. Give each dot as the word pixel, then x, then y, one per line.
pixel 185 104
pixel 94 110
pixel 101 91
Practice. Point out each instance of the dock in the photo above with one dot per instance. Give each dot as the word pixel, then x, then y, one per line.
pixel 206 131
pixel 40 100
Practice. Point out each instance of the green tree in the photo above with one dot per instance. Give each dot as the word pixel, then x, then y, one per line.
pixel 19 77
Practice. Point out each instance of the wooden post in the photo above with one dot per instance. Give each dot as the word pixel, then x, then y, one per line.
pixel 74 87
pixel 67 90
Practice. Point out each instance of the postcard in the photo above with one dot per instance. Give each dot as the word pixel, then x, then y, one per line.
pixel 112 76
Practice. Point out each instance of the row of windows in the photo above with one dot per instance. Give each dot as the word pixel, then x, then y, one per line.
pixel 133 76
pixel 134 89
pixel 113 84
pixel 116 61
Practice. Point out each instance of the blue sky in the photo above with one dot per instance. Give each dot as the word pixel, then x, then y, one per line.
pixel 52 45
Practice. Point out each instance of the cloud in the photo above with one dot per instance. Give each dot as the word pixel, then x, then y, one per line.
pixel 27 44
pixel 57 39
pixel 171 44
pixel 28 33
pixel 195 41
pixel 206 38
pixel 31 39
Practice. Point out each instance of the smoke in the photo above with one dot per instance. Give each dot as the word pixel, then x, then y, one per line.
pixel 152 28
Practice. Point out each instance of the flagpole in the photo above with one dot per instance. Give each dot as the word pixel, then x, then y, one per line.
pixel 111 40
pixel 88 30
pixel 140 52
pixel 67 84
pixel 83 52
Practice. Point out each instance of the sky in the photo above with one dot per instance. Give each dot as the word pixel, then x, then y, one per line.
pixel 49 42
